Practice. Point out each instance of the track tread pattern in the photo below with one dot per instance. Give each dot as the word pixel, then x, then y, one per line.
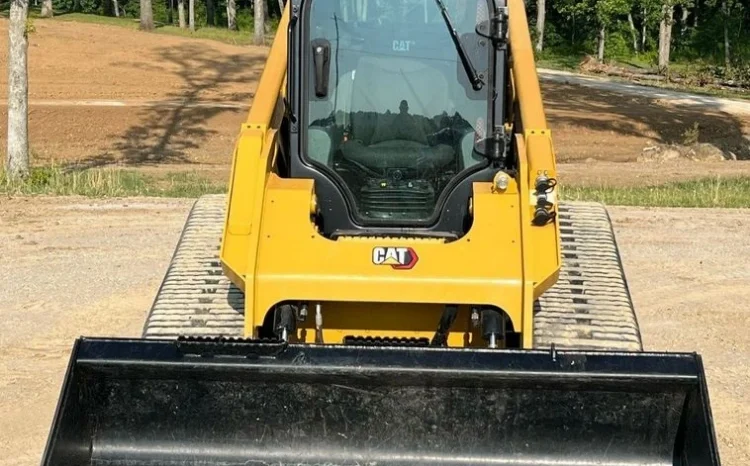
pixel 196 298
pixel 590 305
pixel 588 308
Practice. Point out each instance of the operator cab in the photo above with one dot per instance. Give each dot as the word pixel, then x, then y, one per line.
pixel 389 105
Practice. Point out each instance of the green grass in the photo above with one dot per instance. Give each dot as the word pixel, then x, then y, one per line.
pixel 559 61
pixel 108 182
pixel 115 182
pixel 707 192
pixel 211 33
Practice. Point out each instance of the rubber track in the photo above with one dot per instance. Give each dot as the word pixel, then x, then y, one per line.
pixel 195 297
pixel 589 307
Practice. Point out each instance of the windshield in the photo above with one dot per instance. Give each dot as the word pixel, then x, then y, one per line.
pixel 393 112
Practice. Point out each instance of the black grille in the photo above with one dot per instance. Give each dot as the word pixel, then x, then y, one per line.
pixel 385 341
pixel 391 199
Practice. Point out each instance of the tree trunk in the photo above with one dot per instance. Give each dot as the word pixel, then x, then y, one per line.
pixel 725 12
pixel 147 16
pixel 665 35
pixel 684 20
pixel 211 13
pixel 191 14
pixel 602 37
pixel 644 31
pixel 540 16
pixel 259 36
pixel 232 15
pixel 181 13
pixel 573 30
pixel 116 7
pixel 17 162
pixel 281 7
pixel 47 9
pixel 633 32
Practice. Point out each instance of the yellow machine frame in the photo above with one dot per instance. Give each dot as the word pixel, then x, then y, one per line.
pixel 272 250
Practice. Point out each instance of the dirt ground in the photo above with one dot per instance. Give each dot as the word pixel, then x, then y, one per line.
pixel 75 266
pixel 162 87
pixel 163 119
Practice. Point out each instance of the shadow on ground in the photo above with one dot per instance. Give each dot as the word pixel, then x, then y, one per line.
pixel 633 116
pixel 167 133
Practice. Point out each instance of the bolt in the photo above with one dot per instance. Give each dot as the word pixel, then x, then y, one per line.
pixel 474 317
pixel 501 181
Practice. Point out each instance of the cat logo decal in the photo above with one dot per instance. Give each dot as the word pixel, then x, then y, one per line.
pixel 402 45
pixel 397 258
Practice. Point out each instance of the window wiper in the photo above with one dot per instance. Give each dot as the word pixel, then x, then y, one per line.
pixel 471 72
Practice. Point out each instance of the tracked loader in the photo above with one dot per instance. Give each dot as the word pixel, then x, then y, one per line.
pixel 392 278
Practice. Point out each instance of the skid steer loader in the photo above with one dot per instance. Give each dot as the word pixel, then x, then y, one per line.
pixel 392 279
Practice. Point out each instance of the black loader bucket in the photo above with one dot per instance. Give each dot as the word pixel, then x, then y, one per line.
pixel 145 402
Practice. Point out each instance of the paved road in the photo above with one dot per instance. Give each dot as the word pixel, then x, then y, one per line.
pixel 732 106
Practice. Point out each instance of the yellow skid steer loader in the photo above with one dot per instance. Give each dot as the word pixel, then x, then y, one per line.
pixel 392 279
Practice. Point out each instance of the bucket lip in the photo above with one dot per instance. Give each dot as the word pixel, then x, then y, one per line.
pixel 469 364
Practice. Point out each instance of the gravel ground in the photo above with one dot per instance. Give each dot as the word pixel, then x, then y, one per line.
pixel 77 266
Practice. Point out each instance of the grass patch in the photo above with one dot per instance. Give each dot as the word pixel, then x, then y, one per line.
pixel 708 192
pixel 211 33
pixel 554 60
pixel 115 182
pixel 108 182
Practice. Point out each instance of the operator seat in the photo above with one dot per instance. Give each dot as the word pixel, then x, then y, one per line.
pixel 391 113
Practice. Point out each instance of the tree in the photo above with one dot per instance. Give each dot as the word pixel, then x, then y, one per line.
pixel 725 14
pixel 211 13
pixel 47 9
pixel 633 32
pixel 665 35
pixel 17 161
pixel 147 16
pixel 281 7
pixel 601 15
pixel 728 11
pixel 232 15
pixel 644 29
pixel 684 20
pixel 650 11
pixel 600 43
pixel 259 36
pixel 607 13
pixel 571 10
pixel 116 7
pixel 191 13
pixel 541 11
pixel 181 13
